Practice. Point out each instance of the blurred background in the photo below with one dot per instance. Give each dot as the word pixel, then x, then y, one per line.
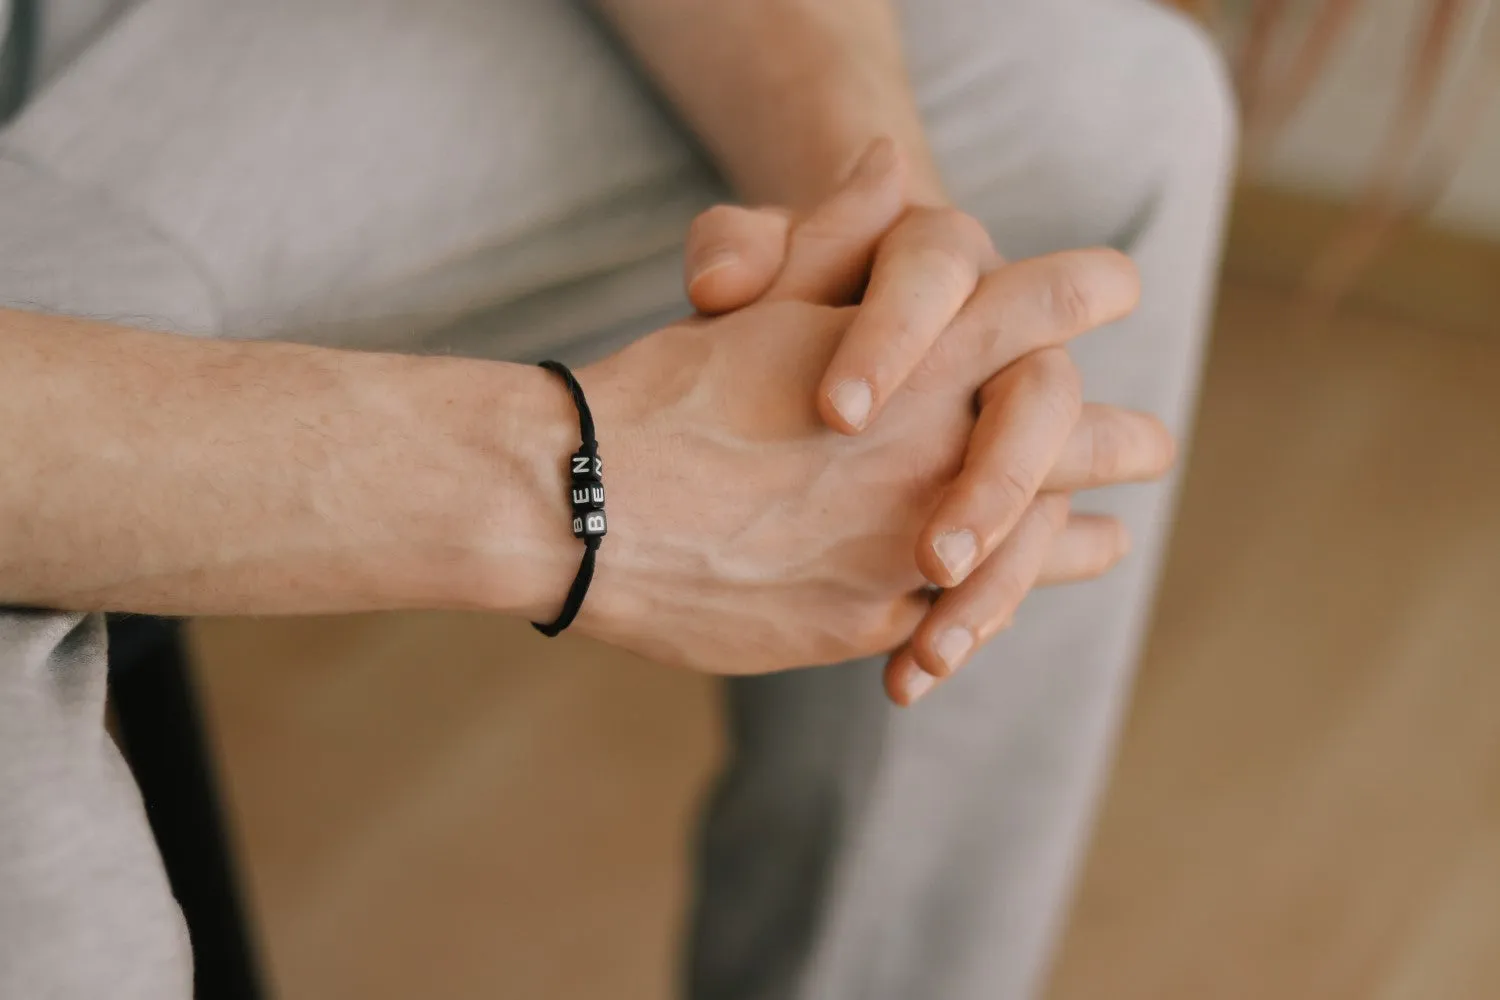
pixel 1307 797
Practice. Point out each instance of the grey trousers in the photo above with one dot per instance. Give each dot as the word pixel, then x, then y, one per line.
pixel 491 176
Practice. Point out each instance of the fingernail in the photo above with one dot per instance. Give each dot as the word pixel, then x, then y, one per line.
pixel 853 399
pixel 917 683
pixel 715 261
pixel 953 645
pixel 956 551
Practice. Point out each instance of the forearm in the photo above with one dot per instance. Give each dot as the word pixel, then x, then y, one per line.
pixel 784 93
pixel 147 472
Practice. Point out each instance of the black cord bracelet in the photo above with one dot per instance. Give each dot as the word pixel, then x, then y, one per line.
pixel 587 496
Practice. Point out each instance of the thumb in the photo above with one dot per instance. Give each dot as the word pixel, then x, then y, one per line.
pixel 733 255
pixel 829 255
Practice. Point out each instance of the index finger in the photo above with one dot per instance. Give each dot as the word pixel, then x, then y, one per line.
pixel 732 256
pixel 924 272
pixel 1026 306
pixel 829 253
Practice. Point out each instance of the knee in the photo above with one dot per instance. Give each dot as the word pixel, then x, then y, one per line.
pixel 1164 114
pixel 1185 95
pixel 1092 112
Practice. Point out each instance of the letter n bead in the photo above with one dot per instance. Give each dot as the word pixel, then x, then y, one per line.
pixel 587 496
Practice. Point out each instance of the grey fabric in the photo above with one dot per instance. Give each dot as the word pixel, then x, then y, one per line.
pixel 85 910
pixel 84 906
pixel 856 850
pixel 492 178
pixel 66 29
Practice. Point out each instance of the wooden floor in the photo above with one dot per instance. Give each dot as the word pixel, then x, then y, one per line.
pixel 1307 802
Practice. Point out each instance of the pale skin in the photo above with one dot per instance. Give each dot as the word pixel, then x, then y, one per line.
pixel 147 472
pixel 153 473
pixel 787 94
pixel 887 487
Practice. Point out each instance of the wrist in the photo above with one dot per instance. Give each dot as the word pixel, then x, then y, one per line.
pixel 798 138
pixel 843 138
pixel 921 183
pixel 841 117
pixel 510 548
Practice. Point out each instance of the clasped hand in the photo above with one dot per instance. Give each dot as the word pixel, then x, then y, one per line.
pixel 789 471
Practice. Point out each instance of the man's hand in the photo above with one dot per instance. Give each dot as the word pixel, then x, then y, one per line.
pixel 784 95
pixel 924 267
pixel 752 538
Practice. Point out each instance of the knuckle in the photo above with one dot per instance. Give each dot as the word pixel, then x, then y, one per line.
pixel 1106 545
pixel 1119 541
pixel 1107 447
pixel 944 265
pixel 962 234
pixel 1067 402
pixel 1007 590
pixel 968 233
pixel 1062 368
pixel 1168 454
pixel 1078 290
pixel 825 229
pixel 713 222
pixel 1048 380
pixel 944 356
pixel 1052 509
pixel 1102 554
pixel 1124 447
pixel 1122 278
pixel 1013 488
pixel 962 227
pixel 1069 299
pixel 1158 445
pixel 1120 262
pixel 1061 383
pixel 873 628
